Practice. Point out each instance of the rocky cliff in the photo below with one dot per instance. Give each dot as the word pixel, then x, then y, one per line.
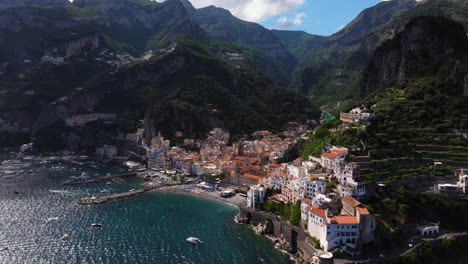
pixel 425 44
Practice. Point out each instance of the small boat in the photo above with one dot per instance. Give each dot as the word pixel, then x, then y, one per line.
pixel 93 197
pixel 52 219
pixel 108 183
pixel 16 192
pixel 4 249
pixel 96 225
pixel 194 240
pixel 104 191
pixel 132 190
pixel 64 237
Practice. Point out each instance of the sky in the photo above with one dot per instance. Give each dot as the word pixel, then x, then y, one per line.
pixel 320 17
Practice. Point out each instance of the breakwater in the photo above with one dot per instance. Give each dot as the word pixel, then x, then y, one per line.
pixel 117 196
pixel 99 179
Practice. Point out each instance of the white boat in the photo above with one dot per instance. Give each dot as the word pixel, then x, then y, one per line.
pixel 194 240
pixel 104 191
pixel 52 219
pixel 96 225
pixel 64 237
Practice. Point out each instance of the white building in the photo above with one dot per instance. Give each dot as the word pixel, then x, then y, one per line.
pixel 306 204
pixel 312 188
pixel 351 182
pixel 461 187
pixel 333 232
pixel 255 195
pixel 335 159
pixel 296 170
pixel 428 230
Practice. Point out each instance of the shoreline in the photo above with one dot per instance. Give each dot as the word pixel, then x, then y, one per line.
pixel 177 190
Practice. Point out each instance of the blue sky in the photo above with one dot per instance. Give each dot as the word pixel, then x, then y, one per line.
pixel 321 17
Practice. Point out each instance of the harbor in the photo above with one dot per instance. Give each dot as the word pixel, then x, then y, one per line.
pixel 100 178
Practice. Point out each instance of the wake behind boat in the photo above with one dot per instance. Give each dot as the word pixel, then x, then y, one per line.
pixel 194 240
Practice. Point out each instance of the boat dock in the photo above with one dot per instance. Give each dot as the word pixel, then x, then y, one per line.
pixel 109 198
pixel 100 178
pixel 117 196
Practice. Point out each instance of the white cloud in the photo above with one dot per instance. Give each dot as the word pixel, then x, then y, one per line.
pixel 288 22
pixel 253 10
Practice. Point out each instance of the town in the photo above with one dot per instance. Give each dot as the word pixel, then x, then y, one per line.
pixel 267 169
pixel 263 173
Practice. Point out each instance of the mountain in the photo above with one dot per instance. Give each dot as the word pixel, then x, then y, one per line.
pixel 145 24
pixel 299 43
pixel 332 73
pixel 166 62
pixel 423 46
pixel 418 89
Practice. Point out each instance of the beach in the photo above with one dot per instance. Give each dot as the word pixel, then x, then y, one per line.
pixel 194 190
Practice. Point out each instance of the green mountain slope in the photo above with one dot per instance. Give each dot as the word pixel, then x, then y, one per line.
pixel 299 42
pixel 187 89
pixel 419 93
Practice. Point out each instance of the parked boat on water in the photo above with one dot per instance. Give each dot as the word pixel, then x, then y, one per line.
pixel 51 219
pixel 96 225
pixel 194 240
pixel 64 237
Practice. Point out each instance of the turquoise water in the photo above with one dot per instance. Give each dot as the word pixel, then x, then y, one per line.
pixel 151 228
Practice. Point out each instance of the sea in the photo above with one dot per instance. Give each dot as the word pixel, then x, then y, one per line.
pixel 37 210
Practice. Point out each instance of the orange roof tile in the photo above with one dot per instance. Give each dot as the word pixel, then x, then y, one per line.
pixel 307 200
pixel 251 176
pixel 363 211
pixel 346 220
pixel 319 212
pixel 330 155
pixel 340 151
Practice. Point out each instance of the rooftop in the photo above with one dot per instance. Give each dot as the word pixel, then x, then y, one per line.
pixel 307 200
pixel 319 212
pixel 252 176
pixel 351 201
pixel 362 211
pixel 345 220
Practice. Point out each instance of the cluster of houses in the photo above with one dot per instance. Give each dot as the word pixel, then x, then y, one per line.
pixel 246 162
pixel 323 185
